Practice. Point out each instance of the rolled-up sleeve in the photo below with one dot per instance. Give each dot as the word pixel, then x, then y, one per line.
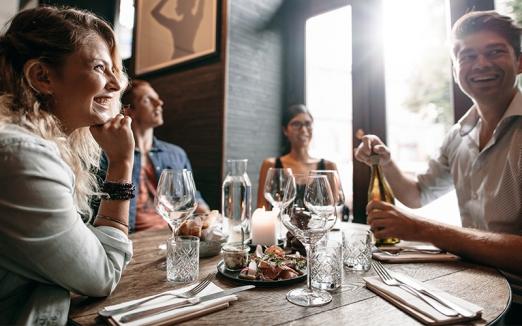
pixel 42 237
pixel 437 180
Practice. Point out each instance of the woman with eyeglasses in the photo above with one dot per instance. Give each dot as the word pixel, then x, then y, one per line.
pixel 298 130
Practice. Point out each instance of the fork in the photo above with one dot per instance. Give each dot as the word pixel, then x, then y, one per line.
pixel 186 295
pixel 391 281
pixel 398 253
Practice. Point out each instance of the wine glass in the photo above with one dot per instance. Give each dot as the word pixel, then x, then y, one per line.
pixel 275 189
pixel 175 199
pixel 337 189
pixel 309 218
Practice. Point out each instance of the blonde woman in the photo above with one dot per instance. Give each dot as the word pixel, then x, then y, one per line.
pixel 60 77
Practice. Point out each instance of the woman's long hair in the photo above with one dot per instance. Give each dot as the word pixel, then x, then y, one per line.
pixel 50 34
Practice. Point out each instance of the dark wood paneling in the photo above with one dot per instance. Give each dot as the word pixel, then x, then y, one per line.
pixel 194 115
pixel 254 90
pixel 369 97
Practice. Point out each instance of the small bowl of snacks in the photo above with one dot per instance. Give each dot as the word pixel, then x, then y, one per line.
pixel 235 255
pixel 208 228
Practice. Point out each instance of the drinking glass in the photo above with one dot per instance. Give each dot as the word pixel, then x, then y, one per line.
pixel 183 259
pixel 327 264
pixel 336 187
pixel 175 197
pixel 357 243
pixel 309 217
pixel 276 183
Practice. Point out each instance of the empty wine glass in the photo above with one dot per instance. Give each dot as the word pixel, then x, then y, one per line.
pixel 275 189
pixel 309 217
pixel 175 199
pixel 337 189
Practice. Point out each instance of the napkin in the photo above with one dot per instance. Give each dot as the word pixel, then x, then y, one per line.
pixel 405 252
pixel 416 307
pixel 177 315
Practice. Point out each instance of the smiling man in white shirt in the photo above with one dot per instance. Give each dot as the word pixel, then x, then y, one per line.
pixel 481 157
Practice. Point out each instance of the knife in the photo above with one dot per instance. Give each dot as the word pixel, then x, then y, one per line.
pixel 185 303
pixel 419 287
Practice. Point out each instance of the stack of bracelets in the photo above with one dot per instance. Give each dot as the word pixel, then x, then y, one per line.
pixel 117 190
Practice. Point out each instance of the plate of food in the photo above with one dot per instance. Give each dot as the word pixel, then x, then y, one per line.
pixel 269 268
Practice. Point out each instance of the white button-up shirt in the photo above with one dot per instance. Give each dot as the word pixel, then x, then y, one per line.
pixel 488 183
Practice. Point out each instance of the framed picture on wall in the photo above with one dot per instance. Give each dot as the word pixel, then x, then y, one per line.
pixel 173 32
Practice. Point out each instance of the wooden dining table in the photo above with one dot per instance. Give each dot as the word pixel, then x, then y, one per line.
pixel 352 304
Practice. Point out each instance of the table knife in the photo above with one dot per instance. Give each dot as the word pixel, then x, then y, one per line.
pixel 419 287
pixel 185 303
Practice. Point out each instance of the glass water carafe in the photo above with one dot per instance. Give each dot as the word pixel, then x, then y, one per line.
pixel 236 200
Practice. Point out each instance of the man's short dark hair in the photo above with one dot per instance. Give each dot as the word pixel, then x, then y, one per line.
pixel 128 96
pixel 477 21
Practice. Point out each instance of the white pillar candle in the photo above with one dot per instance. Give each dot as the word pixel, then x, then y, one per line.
pixel 264 227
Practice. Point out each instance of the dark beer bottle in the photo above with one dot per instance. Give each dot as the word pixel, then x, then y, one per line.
pixel 380 190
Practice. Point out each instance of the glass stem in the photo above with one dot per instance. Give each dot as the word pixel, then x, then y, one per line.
pixel 174 228
pixel 309 252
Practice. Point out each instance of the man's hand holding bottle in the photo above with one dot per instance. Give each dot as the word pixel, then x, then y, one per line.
pixel 371 144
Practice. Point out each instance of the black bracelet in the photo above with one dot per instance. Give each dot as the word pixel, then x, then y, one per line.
pixel 117 191
pixel 109 185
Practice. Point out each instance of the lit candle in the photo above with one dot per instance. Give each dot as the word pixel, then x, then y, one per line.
pixel 264 227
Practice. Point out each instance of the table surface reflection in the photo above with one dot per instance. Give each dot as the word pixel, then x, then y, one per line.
pixel 352 304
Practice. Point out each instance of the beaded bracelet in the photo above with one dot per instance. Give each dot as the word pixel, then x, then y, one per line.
pixel 117 190
pixel 112 219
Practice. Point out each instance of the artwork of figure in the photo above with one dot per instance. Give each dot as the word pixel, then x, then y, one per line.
pixel 183 25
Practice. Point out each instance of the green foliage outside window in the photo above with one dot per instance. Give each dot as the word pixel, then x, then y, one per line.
pixel 429 81
pixel 430 84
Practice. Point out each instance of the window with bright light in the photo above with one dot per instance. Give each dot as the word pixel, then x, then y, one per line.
pixel 418 75
pixel 329 89
pixel 419 111
pixel 124 27
pixel 510 8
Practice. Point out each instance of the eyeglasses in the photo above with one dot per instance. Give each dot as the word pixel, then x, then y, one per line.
pixel 298 124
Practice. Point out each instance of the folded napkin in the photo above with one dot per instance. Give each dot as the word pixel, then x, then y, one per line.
pixel 410 251
pixel 173 316
pixel 416 307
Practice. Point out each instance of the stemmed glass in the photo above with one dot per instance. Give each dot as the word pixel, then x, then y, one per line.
pixel 337 189
pixel 309 218
pixel 277 179
pixel 175 199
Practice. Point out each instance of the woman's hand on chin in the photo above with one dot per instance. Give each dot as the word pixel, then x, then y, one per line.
pixel 115 138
